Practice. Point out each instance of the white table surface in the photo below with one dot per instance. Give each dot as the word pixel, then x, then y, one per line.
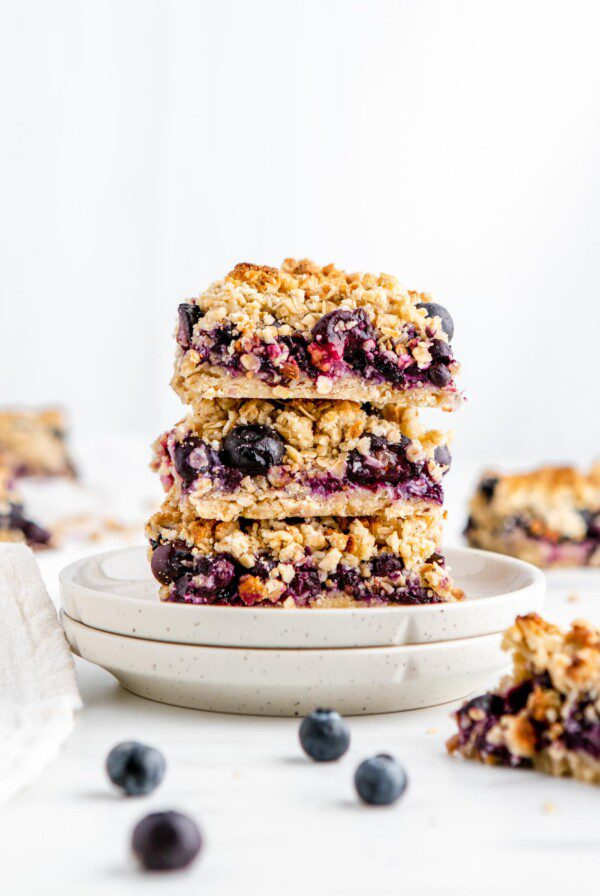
pixel 274 822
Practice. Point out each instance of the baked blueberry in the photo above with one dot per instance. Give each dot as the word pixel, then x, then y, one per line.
pixel 168 564
pixel 166 841
pixel 592 522
pixel 253 448
pixel 440 350
pixel 324 735
pixel 432 309
pixel 439 375
pixel 388 367
pixel 135 768
pixel 443 457
pixel 437 558
pixel 380 781
pixel 213 577
pixel 306 584
pixel 342 325
pixel 386 564
pixel 487 487
pixel 189 315
pixel 384 463
pixel 485 705
pixel 191 457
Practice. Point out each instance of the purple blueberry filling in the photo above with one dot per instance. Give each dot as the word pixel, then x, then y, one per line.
pixel 189 315
pixel 255 449
pixel 218 579
pixel 14 520
pixel 487 711
pixel 581 729
pixel 192 457
pixel 344 341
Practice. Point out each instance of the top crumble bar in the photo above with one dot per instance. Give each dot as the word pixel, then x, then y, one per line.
pixel 302 331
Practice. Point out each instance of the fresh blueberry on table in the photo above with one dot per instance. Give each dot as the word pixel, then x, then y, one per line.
pixel 166 841
pixel 380 781
pixel 135 768
pixel 324 735
pixel 432 309
pixel 253 448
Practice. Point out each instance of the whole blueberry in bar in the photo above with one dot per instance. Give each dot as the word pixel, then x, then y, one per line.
pixel 295 563
pixel 14 524
pixel 271 460
pixel 550 516
pixel 33 442
pixel 304 331
pixel 546 715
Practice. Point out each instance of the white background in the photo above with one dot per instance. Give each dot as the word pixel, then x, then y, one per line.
pixel 147 146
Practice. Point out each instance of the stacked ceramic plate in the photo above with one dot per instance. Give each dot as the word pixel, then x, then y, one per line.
pixel 285 662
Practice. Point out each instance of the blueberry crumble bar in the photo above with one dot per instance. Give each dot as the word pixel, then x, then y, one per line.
pixel 14 526
pixel 321 562
pixel 302 331
pixel 546 715
pixel 270 460
pixel 550 517
pixel 33 442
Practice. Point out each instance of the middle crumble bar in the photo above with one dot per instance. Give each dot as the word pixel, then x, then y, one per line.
pixel 323 562
pixel 275 459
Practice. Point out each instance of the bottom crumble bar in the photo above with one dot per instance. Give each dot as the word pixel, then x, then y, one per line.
pixel 546 715
pixel 324 562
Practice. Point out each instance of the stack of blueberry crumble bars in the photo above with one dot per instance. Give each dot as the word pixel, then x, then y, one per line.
pixel 301 475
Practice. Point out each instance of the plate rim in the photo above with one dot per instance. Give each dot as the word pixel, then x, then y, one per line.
pixel 429 646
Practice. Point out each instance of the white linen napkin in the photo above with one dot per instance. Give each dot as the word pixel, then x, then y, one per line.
pixel 38 690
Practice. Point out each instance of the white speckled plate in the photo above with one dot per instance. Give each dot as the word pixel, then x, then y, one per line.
pixel 115 592
pixel 355 681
